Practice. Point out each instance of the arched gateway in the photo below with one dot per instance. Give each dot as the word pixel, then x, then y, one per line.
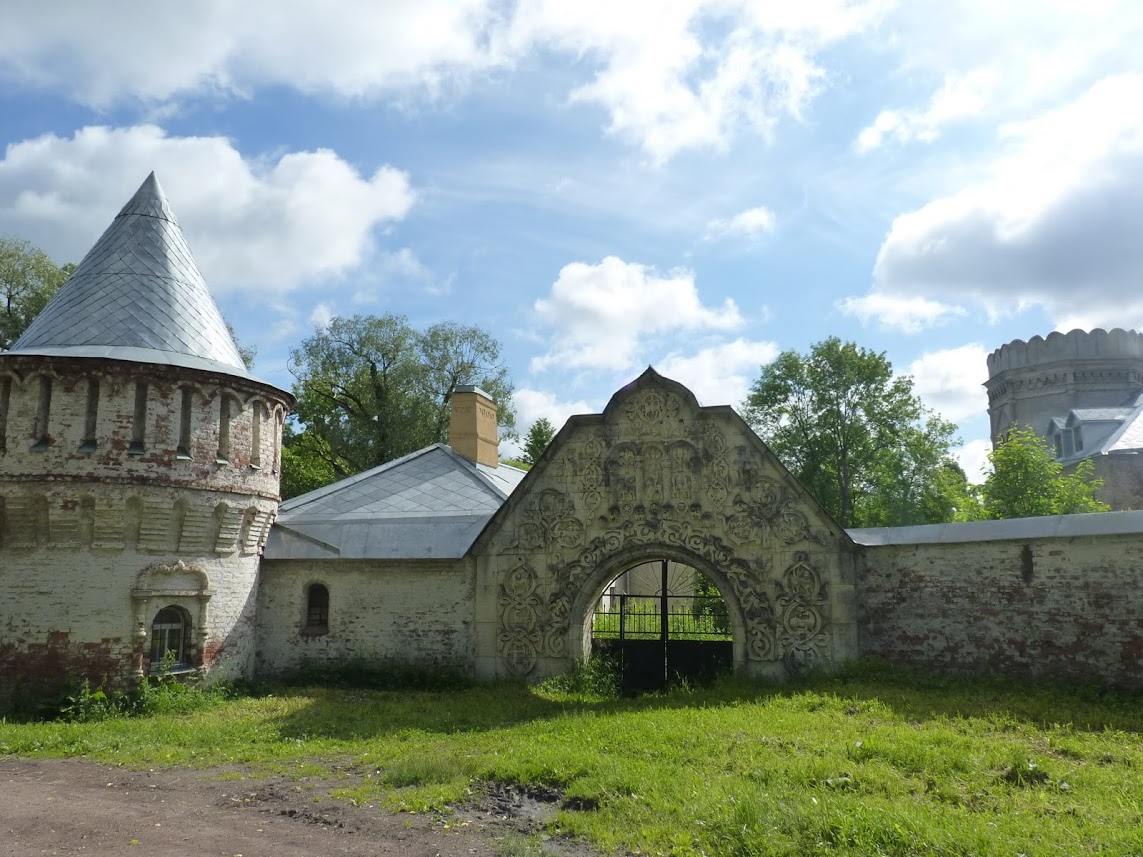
pixel 656 476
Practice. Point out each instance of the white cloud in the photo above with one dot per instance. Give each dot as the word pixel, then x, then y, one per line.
pixel 671 74
pixel 907 314
pixel 252 224
pixel 721 374
pixel 681 74
pixel 401 269
pixel 745 224
pixel 973 459
pixel 991 61
pixel 101 53
pixel 1056 225
pixel 322 314
pixel 960 97
pixel 951 382
pixel 531 405
pixel 600 315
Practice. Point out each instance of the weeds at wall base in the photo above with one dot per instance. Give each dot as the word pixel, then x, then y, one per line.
pixel 158 694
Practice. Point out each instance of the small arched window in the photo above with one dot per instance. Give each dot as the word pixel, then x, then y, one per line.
pixel 169 640
pixel 91 417
pixel 139 421
pixel 5 398
pixel 187 404
pixel 277 440
pixel 223 456
pixel 43 415
pixel 256 411
pixel 317 609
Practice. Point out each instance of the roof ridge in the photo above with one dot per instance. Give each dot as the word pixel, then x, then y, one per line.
pixel 318 493
pixel 472 468
pixel 137 291
pixel 1120 430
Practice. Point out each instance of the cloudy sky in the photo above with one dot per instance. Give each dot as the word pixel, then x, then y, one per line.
pixel 693 185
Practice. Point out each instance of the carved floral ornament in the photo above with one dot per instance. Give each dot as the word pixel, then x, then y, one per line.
pixel 531 626
pixel 520 636
pixel 801 625
pixel 647 409
pixel 548 520
pixel 660 480
pixel 768 511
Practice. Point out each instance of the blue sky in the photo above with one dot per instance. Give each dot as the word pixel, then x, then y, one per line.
pixel 607 185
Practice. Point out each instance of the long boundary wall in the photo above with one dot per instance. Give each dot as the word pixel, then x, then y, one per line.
pixel 1055 597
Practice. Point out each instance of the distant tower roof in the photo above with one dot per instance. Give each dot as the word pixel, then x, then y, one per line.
pixel 137 296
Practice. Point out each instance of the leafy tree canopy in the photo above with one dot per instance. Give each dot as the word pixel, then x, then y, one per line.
pixel 1026 481
pixel 28 279
pixel 856 436
pixel 373 388
pixel 539 436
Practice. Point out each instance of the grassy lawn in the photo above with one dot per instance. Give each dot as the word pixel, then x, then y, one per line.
pixel 869 762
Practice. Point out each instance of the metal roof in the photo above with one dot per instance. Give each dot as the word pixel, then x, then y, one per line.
pixel 1100 414
pixel 1049 526
pixel 137 296
pixel 431 504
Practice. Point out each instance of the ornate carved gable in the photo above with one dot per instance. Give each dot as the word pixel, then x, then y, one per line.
pixel 657 475
pixel 654 453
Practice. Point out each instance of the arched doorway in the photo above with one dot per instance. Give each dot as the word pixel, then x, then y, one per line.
pixel 664 622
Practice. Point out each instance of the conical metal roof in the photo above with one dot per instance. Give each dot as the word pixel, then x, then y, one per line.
pixel 137 296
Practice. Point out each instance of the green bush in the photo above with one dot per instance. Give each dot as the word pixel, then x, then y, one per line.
pixel 599 677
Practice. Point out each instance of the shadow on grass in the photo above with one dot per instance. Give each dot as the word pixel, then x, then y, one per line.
pixel 353 713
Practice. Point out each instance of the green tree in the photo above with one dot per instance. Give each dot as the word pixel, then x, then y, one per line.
pixel 539 436
pixel 305 463
pixel 373 388
pixel 1026 481
pixel 28 279
pixel 854 434
pixel 917 482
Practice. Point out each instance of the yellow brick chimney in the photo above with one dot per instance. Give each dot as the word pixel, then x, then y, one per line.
pixel 473 430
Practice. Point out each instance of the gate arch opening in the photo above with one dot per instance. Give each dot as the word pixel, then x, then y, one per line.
pixel 663 621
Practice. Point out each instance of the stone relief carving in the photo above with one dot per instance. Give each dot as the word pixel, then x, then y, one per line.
pixel 591 473
pixel 520 605
pixel 647 409
pixel 768 512
pixel 716 473
pixel 548 520
pixel 659 477
pixel 801 620
pixel 653 474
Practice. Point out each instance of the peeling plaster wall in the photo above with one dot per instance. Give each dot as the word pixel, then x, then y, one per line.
pixel 416 612
pixel 1055 608
pixel 67 615
pixel 86 508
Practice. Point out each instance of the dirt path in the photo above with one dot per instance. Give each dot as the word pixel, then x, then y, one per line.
pixel 76 807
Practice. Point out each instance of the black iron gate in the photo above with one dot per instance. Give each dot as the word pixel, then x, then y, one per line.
pixel 663 622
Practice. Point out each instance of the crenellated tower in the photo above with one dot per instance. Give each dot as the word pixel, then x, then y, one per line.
pixel 1031 382
pixel 139 469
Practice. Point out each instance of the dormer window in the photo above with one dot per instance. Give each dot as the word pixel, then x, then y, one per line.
pixel 1067 442
pixel 1078 438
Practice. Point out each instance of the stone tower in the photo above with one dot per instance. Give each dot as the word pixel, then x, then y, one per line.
pixel 1031 382
pixel 139 468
